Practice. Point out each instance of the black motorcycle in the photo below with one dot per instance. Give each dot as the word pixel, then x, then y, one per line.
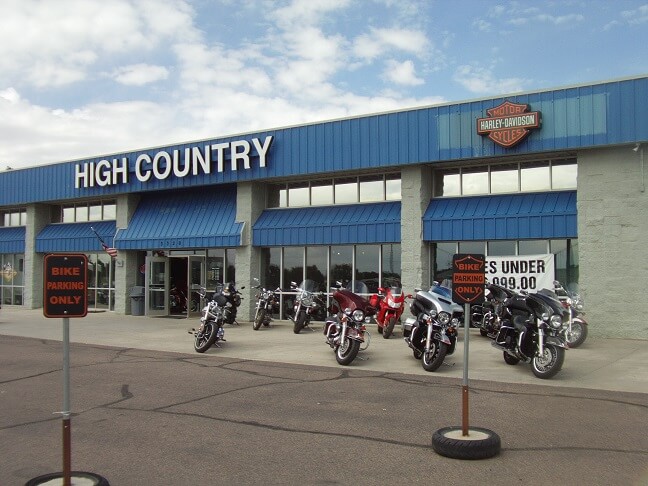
pixel 488 315
pixel 575 331
pixel 211 322
pixel 432 333
pixel 533 333
pixel 308 303
pixel 233 297
pixel 267 303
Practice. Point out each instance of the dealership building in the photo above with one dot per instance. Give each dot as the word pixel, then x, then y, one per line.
pixel 548 185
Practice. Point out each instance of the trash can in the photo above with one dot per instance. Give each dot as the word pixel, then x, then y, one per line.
pixel 137 301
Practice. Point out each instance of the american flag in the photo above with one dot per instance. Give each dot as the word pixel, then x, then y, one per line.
pixel 111 251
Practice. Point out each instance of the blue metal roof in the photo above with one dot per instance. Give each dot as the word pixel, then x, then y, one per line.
pixel 502 217
pixel 329 225
pixel 74 237
pixel 204 219
pixel 12 239
pixel 596 115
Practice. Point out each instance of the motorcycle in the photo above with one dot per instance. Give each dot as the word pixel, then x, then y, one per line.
pixel 211 322
pixel 533 333
pixel 233 297
pixel 489 315
pixel 267 304
pixel 575 330
pixel 432 333
pixel 345 328
pixel 177 300
pixel 306 305
pixel 390 302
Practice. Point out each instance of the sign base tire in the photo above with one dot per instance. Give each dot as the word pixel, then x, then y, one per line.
pixel 76 477
pixel 478 444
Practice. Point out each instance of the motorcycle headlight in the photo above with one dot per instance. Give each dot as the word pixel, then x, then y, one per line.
pixel 358 315
pixel 555 322
pixel 545 316
pixel 444 318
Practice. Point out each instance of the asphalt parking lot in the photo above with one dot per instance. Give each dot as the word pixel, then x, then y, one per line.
pixel 232 416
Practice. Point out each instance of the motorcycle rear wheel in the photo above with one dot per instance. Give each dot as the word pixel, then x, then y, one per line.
pixel 204 340
pixel 347 351
pixel 577 335
pixel 549 363
pixel 434 358
pixel 258 319
pixel 300 322
pixel 389 328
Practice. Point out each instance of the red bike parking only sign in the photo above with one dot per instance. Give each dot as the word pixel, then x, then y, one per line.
pixel 65 289
pixel 468 278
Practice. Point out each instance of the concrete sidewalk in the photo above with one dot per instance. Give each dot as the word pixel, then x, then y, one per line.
pixel 599 364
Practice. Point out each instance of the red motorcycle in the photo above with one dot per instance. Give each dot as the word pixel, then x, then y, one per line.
pixel 345 329
pixel 391 303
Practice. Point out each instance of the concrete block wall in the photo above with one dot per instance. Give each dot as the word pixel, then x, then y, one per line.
pixel 612 240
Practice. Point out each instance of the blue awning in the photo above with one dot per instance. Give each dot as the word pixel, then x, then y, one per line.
pixel 329 225
pixel 502 217
pixel 74 237
pixel 12 239
pixel 199 219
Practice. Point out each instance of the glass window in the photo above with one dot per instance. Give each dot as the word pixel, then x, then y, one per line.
pixel 271 264
pixel 322 193
pixel 391 265
pixel 474 180
pixel 346 190
pixel 566 262
pixel 215 268
pixel 293 265
pixel 230 260
pixel 81 213
pixel 341 264
pixel 501 248
pixel 316 265
pixel 533 247
pixel 298 194
pixel 447 183
pixel 476 247
pixel 109 211
pixel 372 189
pixel 68 214
pixel 367 265
pixel 443 254
pixel 94 212
pixel 393 187
pixel 563 174
pixel 535 177
pixel 504 178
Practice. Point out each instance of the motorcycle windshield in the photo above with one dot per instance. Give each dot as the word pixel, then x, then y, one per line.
pixel 309 285
pixel 396 291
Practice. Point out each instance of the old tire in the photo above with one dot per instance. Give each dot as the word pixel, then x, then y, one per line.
pixel 76 477
pixel 389 328
pixel 478 444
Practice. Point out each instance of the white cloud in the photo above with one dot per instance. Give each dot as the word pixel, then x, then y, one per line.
pixel 401 73
pixel 378 41
pixel 140 74
pixel 480 80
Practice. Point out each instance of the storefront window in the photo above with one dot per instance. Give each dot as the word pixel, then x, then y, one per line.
pixel 12 279
pixel 501 248
pixel 101 282
pixel 298 194
pixel 563 174
pixel 372 189
pixel 475 247
pixel 341 264
pixel 316 258
pixel 367 265
pixel 230 261
pixel 392 187
pixel 443 254
pixel 271 263
pixel 391 265
pixel 535 176
pixel 474 180
pixel 346 190
pixel 215 268
pixel 504 178
pixel 533 247
pixel 293 265
pixel 322 193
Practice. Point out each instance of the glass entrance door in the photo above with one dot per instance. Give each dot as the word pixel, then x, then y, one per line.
pixel 196 280
pixel 157 286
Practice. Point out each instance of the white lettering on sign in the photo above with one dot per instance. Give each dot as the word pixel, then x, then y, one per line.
pixel 178 163
pixel 528 272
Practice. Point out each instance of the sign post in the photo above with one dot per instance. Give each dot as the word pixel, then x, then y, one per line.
pixel 468 287
pixel 65 296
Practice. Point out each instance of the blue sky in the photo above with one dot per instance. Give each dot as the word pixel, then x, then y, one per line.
pixel 83 78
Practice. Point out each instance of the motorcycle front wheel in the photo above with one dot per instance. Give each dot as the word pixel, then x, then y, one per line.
pixel 300 322
pixel 577 335
pixel 389 327
pixel 432 359
pixel 549 363
pixel 346 352
pixel 258 319
pixel 206 338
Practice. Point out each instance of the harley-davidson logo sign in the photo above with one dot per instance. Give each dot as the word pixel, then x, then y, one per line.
pixel 509 123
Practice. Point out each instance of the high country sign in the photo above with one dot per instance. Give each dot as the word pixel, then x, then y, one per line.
pixel 509 123
pixel 179 163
